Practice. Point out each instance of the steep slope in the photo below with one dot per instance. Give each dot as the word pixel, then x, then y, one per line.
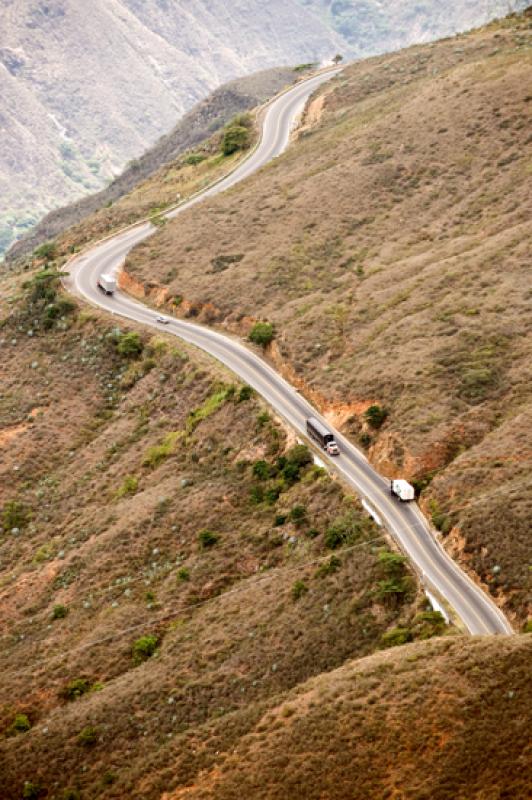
pixel 200 123
pixel 145 498
pixel 76 108
pixel 445 721
pixel 389 250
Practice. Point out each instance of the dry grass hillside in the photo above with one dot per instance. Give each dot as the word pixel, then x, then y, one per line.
pixel 389 249
pixel 426 722
pixel 171 562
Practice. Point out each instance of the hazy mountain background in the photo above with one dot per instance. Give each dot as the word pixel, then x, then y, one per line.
pixel 85 87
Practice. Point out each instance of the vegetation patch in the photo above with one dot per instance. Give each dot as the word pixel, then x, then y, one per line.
pixel 144 648
pixel 262 333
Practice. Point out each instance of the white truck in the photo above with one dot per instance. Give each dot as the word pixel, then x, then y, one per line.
pixel 107 283
pixel 403 490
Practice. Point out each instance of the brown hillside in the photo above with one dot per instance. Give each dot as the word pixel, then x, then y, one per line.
pixel 449 720
pixel 389 248
pixel 146 495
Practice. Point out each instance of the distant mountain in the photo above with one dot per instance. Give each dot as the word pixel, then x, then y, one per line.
pixel 374 26
pixel 85 87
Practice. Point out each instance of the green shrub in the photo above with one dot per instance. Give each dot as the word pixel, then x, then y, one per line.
pixel 300 455
pixel 245 393
pixel 393 590
pixel 21 724
pixel 279 520
pixel 365 440
pixel 88 736
pixel 344 530
pixel 144 648
pixel 428 624
pixel 129 345
pixel 76 689
pixel 290 473
pixel 395 637
pixel 31 791
pixel 329 568
pixel 183 574
pixel 299 589
pixel 440 520
pixel 71 794
pixel 15 515
pixel 298 514
pixel 194 159
pixel 210 405
pixel 262 333
pixel 391 564
pixel 158 453
pixel 262 470
pixel 271 495
pixel 46 251
pixel 263 418
pixel 375 416
pixel 129 486
pixel 207 538
pixel 237 135
pixel 59 611
pixel 305 67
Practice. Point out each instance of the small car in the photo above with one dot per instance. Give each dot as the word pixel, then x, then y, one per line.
pixel 163 320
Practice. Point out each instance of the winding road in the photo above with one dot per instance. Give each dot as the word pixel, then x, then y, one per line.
pixel 438 572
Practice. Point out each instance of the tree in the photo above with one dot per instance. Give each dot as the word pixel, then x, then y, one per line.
pixel 236 137
pixel 338 57
pixel 375 416
pixel 130 345
pixel 262 333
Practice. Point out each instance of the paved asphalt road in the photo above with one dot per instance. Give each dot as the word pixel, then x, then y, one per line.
pixel 441 576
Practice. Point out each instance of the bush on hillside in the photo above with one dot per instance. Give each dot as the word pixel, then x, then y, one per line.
pixel 144 648
pixel 375 416
pixel 59 611
pixel 14 515
pixel 88 736
pixel 76 689
pixel 235 138
pixel 129 345
pixel 395 637
pixel 344 531
pixel 31 790
pixel 299 589
pixel 20 724
pixel 207 539
pixel 46 252
pixel 262 333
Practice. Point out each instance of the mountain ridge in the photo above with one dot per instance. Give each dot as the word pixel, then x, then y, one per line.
pixel 77 109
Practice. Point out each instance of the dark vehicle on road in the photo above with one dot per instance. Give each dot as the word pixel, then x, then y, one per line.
pixel 317 431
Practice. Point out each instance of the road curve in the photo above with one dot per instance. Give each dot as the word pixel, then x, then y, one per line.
pixel 438 572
